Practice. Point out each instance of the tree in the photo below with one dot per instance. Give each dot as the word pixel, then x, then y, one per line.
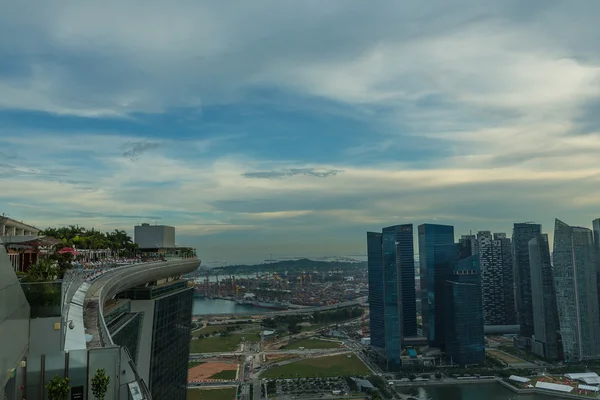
pixel 100 383
pixel 58 388
pixel 45 270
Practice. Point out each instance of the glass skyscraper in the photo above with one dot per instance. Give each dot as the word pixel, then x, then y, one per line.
pixel 596 229
pixel 522 234
pixel 437 256
pixel 545 314
pixel 463 313
pixel 495 256
pixel 393 255
pixel 375 265
pixel 576 292
pixel 166 328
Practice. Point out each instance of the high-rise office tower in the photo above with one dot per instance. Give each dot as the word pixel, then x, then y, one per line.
pixel 396 262
pixel 522 234
pixel 467 246
pixel 576 292
pixel 464 313
pixel 495 256
pixel 596 229
pixel 437 257
pixel 543 295
pixel 375 273
pixel 165 329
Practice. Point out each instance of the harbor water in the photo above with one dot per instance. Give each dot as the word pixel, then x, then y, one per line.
pixel 491 391
pixel 204 306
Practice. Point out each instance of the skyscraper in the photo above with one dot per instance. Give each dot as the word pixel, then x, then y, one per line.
pixel 495 256
pixel 391 258
pixel 437 256
pixel 467 246
pixel 464 313
pixel 165 329
pixel 576 292
pixel 375 265
pixel 543 295
pixel 522 234
pixel 596 229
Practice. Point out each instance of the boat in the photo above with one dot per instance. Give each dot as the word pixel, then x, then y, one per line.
pixel 277 305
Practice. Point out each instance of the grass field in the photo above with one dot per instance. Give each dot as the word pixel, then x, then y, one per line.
pixel 220 344
pixel 213 328
pixel 507 358
pixel 227 374
pixel 192 364
pixel 212 394
pixel 340 365
pixel 312 344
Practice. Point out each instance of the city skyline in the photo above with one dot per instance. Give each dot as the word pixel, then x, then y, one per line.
pixel 292 128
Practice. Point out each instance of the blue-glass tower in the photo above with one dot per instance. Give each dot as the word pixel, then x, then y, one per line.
pixel 375 265
pixel 463 313
pixel 437 256
pixel 522 234
pixel 392 280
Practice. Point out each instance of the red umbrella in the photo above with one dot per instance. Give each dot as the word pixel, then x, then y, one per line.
pixel 68 250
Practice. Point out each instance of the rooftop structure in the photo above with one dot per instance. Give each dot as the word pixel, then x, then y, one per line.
pixel 69 333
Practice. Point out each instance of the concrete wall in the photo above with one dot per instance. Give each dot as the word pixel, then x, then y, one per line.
pixel 154 236
pixel 44 338
pixel 14 324
pixel 145 346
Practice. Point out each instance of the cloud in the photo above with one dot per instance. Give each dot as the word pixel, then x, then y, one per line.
pixel 475 113
pixel 291 172
pixel 136 149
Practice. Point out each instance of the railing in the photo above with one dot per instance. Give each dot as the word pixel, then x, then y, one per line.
pixel 154 270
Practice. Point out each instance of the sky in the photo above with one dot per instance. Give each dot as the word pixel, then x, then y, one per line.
pixel 292 128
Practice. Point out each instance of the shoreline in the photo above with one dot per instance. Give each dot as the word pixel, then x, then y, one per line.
pixel 496 380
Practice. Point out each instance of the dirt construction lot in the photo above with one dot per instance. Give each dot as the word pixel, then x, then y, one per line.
pixel 205 371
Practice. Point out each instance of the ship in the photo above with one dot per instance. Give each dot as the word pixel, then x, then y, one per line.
pixel 276 305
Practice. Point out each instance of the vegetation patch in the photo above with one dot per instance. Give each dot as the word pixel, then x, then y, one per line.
pixel 338 365
pixel 312 344
pixel 212 394
pixel 221 343
pixel 227 374
pixel 192 364
pixel 507 358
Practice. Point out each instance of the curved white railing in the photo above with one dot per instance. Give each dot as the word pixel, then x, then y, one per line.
pixel 86 309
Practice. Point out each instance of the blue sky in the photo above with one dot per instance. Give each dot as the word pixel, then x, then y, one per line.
pixel 291 127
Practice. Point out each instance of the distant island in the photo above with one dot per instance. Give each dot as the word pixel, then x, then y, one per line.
pixel 300 265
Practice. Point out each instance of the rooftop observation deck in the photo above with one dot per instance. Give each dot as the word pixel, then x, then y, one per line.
pixel 115 281
pixel 87 293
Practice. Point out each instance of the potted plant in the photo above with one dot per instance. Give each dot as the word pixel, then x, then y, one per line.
pixel 58 388
pixel 100 383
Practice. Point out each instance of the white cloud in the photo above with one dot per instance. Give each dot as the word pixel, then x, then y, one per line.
pixel 496 94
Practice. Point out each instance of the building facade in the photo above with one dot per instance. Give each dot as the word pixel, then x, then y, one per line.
pixel 596 229
pixel 437 255
pixel 375 273
pixel 464 313
pixel 148 236
pixel 165 330
pixel 522 234
pixel 546 341
pixel 394 265
pixel 576 292
pixel 495 256
pixel 14 330
pixel 467 246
